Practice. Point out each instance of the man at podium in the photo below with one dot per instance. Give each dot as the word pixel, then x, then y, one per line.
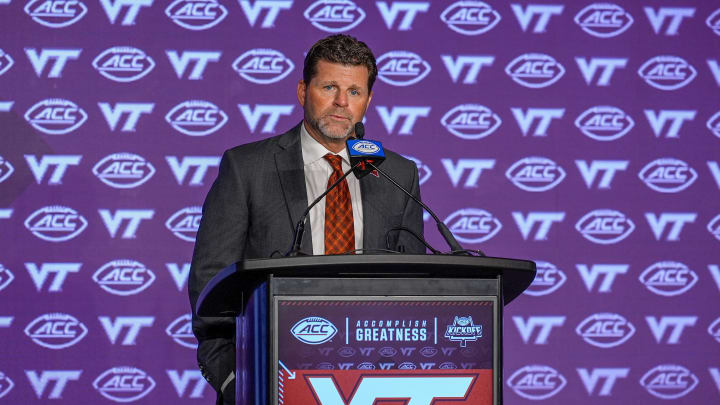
pixel 263 188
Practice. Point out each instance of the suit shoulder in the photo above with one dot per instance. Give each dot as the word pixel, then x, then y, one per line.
pixel 399 161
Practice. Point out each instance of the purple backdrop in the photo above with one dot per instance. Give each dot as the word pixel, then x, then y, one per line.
pixel 585 136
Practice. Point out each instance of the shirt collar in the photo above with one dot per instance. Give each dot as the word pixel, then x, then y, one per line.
pixel 313 150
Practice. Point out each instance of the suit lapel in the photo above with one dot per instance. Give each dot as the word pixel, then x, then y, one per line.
pixel 289 164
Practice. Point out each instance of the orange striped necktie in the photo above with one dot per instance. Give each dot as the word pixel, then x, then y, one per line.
pixel 339 228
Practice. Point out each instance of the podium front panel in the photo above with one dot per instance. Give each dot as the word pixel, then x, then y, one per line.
pixel 361 349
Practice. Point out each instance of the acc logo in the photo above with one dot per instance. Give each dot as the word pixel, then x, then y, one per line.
pixel 667 72
pixel 196 14
pixel 428 351
pixel 473 225
pixel 424 171
pixel 123 64
pixel 470 17
pixel 325 366
pixel 448 365
pixel 387 351
pixel 714 330
pixel 365 147
pixel 313 330
pixel 180 330
pixel 123 170
pixel 603 20
pixel 713 21
pixel 604 123
pixel 471 121
pixel 6 384
pixel 124 277
pixel 55 13
pixel 605 330
pixel 548 278
pixel 56 331
pixel 55 223
pixel 668 175
pixel 196 117
pixel 535 70
pixel 668 278
pixel 536 382
pixel 669 381
pixel 124 384
pixel 402 68
pixel 6 277
pixel 6 62
pixel 6 169
pixel 334 15
pixel 346 351
pixel 55 116
pixel 366 366
pixel 714 227
pixel 604 226
pixel 407 366
pixel 263 66
pixel 713 124
pixel 535 174
pixel 185 223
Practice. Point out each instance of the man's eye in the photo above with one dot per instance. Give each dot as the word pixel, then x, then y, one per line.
pixel 328 87
pixel 355 92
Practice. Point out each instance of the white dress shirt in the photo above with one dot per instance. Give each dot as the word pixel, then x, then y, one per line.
pixel 317 174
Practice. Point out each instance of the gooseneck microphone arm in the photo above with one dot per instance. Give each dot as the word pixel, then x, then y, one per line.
pixel 442 228
pixel 300 227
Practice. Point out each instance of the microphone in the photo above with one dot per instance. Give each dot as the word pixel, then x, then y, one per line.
pixel 367 155
pixel 300 227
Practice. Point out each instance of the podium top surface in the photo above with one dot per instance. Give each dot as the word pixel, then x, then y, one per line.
pixel 223 293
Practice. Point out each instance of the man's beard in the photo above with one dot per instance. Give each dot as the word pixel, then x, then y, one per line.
pixel 323 125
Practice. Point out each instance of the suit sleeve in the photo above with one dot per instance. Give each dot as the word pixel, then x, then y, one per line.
pixel 220 242
pixel 412 219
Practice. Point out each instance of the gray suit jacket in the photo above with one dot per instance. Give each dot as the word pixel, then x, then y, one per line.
pixel 251 211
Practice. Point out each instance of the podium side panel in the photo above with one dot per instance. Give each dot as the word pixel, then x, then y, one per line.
pixel 251 373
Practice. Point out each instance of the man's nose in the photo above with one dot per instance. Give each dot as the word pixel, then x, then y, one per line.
pixel 341 99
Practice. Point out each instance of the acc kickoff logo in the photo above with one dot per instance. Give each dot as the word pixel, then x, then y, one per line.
pixel 123 170
pixel 124 277
pixel 6 62
pixel 471 121
pixel 124 384
pixel 6 384
pixel 604 123
pixel 402 68
pixel 470 17
pixel 6 277
pixel 473 225
pixel 668 175
pixel 56 223
pixel 55 116
pixel 463 330
pixel 536 382
pixel 313 330
pixel 605 330
pixel 180 330
pixel 603 20
pixel 668 278
pixel 123 64
pixel 196 118
pixel 263 66
pixel 548 278
pixel 535 70
pixel 6 169
pixel 56 330
pixel 55 13
pixel 185 223
pixel 196 15
pixel 535 174
pixel 669 381
pixel 605 226
pixel 667 72
pixel 334 15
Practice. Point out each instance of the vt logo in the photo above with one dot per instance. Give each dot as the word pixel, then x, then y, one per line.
pixel 59 56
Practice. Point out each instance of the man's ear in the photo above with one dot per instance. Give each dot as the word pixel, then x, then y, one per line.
pixel 301 89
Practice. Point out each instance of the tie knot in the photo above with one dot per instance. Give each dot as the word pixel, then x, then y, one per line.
pixel 335 161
